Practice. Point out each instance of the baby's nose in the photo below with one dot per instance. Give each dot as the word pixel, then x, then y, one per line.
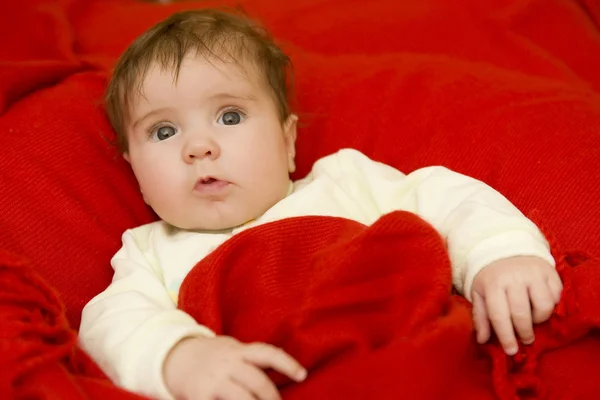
pixel 200 149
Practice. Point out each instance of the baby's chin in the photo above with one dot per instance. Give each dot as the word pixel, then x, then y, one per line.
pixel 219 216
pixel 212 224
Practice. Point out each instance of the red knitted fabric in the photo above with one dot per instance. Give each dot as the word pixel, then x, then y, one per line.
pixel 369 311
pixel 39 357
pixel 504 90
pixel 429 83
pixel 346 300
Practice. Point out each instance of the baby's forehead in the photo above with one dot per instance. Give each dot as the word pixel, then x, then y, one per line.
pixel 237 77
pixel 202 66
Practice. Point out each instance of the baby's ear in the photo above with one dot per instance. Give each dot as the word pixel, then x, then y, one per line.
pixel 290 133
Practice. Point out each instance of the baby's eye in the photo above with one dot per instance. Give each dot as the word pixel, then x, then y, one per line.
pixel 231 118
pixel 163 132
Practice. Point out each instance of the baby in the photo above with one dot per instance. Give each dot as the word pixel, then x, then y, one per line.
pixel 199 104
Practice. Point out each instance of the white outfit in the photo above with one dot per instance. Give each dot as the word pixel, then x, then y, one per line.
pixel 131 326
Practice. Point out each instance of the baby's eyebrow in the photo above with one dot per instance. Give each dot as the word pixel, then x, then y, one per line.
pixel 150 114
pixel 230 96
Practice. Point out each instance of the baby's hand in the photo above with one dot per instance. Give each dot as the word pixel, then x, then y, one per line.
pixel 512 294
pixel 225 369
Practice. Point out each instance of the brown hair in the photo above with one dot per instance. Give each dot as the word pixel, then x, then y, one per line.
pixel 210 33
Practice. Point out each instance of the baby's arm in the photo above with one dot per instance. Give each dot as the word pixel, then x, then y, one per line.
pixel 130 328
pixel 145 344
pixel 479 225
pixel 500 259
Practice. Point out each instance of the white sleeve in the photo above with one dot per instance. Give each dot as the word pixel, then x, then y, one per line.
pixel 130 328
pixel 479 225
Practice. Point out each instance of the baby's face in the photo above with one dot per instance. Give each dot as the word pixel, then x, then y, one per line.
pixel 208 150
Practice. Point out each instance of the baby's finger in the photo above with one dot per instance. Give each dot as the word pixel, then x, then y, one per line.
pixel 520 311
pixel 499 314
pixel 542 301
pixel 256 382
pixel 555 285
pixel 267 356
pixel 231 390
pixel 480 319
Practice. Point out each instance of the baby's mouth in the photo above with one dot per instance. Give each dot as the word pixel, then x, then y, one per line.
pixel 210 184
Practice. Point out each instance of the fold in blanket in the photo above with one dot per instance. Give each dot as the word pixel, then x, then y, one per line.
pixel 355 305
pixel 39 357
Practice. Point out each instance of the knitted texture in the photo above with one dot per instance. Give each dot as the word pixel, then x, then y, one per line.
pixel 40 358
pixel 352 302
pixel 429 84
pixel 503 90
pixel 368 310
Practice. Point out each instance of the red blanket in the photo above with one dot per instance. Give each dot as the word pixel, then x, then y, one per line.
pixel 369 311
pixel 504 90
pixel 39 354
pixel 494 91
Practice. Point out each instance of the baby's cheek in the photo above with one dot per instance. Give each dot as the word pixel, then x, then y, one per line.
pixel 160 190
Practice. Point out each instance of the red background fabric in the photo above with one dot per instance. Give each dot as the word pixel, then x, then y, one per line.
pixel 506 91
